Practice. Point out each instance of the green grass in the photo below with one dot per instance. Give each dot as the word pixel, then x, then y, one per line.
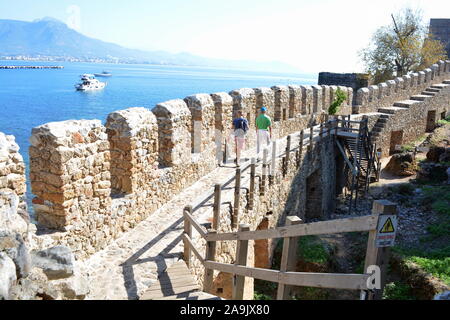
pixel 261 296
pixel 434 194
pixel 441 206
pixel 435 262
pixel 405 189
pixel 264 290
pixel 312 249
pixel 397 291
pixel 444 121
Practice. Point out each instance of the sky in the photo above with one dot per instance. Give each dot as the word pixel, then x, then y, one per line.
pixel 313 36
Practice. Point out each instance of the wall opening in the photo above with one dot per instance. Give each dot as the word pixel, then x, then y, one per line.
pixel 291 107
pixel 396 141
pixel 431 121
pixel 443 115
pixel 313 196
pixel 261 248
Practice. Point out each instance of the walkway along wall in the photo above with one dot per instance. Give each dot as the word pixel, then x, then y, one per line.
pixel 92 181
pixel 284 192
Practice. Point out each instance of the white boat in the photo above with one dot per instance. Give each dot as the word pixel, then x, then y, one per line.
pixel 103 74
pixel 89 83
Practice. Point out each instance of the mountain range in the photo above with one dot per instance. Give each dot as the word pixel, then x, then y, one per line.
pixel 52 38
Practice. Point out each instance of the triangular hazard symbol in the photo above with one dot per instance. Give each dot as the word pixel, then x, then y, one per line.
pixel 388 226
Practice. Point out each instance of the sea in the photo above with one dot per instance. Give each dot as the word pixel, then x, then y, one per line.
pixel 31 97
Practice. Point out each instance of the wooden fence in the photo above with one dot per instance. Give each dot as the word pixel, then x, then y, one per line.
pixel 286 277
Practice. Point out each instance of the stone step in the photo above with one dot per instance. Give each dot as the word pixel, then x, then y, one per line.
pixel 382 120
pixel 439 86
pixel 429 93
pixel 431 89
pixel 405 103
pixel 385 116
pixel 446 82
pixel 387 110
pixel 420 97
pixel 378 129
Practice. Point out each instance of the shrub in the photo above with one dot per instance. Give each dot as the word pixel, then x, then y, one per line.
pixel 340 97
pixel 397 291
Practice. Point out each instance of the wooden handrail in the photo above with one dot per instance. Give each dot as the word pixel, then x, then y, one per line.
pixel 305 279
pixel 193 248
pixel 201 230
pixel 364 223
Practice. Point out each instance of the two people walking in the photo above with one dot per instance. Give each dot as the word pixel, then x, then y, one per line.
pixel 241 128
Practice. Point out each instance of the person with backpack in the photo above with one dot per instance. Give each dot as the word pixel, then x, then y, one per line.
pixel 263 130
pixel 240 127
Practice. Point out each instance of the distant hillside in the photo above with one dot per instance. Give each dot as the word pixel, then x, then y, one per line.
pixel 52 38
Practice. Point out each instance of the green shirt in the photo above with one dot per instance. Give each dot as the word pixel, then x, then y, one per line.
pixel 263 122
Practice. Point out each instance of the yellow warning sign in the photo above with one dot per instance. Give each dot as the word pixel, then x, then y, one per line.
pixel 388 226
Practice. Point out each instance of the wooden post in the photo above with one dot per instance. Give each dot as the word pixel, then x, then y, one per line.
pixel 217 203
pixel 273 162
pixel 225 153
pixel 288 147
pixel 336 124
pixel 241 259
pixel 209 256
pixel 264 173
pixel 378 256
pixel 300 148
pixel 288 155
pixel 237 197
pixel 288 258
pixel 188 232
pixel 251 198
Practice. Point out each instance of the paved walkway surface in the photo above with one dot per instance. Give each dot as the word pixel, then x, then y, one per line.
pixel 134 261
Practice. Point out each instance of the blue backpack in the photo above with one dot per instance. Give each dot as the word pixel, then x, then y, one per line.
pixel 241 123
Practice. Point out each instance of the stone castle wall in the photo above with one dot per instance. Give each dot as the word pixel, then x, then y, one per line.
pixel 12 185
pixel 370 99
pixel 92 181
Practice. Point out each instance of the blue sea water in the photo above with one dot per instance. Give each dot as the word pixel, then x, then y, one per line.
pixel 32 97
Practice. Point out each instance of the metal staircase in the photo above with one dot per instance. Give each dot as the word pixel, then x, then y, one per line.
pixel 361 158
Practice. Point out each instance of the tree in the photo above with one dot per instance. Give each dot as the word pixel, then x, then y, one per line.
pixel 402 47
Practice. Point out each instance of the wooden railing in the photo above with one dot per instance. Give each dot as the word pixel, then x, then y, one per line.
pixel 287 277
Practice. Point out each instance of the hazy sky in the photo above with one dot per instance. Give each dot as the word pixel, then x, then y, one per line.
pixel 314 36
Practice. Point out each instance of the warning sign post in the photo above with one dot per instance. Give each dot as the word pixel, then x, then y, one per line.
pixel 386 230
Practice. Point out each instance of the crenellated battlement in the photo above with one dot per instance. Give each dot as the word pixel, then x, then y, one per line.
pixel 93 178
pixel 369 99
pixel 92 181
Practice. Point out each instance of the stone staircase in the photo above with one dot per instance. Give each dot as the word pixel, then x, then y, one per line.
pixel 387 112
pixel 176 283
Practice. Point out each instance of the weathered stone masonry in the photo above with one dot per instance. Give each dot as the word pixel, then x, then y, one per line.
pixel 92 181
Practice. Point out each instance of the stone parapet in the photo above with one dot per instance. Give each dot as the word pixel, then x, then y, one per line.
pixel 69 172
